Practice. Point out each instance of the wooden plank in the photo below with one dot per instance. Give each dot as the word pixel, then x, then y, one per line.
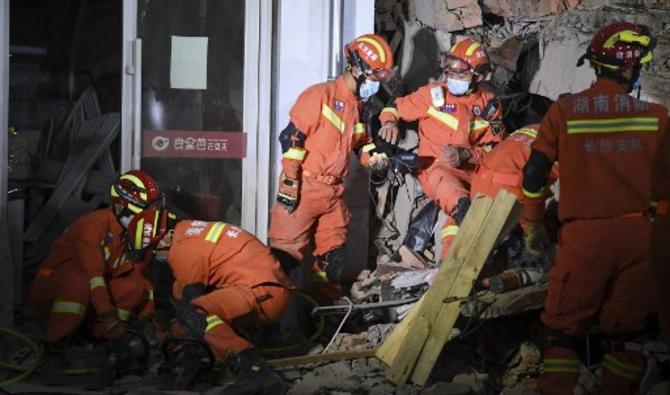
pixel 504 211
pixel 320 358
pixel 393 342
pixel 431 304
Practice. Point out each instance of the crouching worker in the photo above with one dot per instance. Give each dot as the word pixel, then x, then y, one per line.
pixel 223 276
pixel 88 278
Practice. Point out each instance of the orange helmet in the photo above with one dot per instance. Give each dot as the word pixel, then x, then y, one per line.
pixel 621 45
pixel 467 55
pixel 135 190
pixel 147 228
pixel 372 54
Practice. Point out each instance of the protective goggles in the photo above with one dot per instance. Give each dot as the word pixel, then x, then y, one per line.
pixel 453 65
pixel 380 74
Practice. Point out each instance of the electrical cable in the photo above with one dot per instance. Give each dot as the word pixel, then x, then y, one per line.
pixel 25 371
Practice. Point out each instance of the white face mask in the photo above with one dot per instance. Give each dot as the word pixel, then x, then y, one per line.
pixel 368 89
pixel 457 87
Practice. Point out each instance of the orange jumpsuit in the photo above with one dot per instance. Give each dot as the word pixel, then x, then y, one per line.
pixel 87 267
pixel 457 123
pixel 605 141
pixel 503 168
pixel 328 115
pixel 243 279
pixel 661 231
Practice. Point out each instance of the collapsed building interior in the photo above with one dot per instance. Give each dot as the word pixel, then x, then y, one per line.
pixel 65 101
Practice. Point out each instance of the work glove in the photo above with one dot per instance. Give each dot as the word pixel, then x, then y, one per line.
pixel 536 238
pixel 378 163
pixel 389 132
pixel 289 192
pixel 454 157
pixel 190 318
pixel 109 326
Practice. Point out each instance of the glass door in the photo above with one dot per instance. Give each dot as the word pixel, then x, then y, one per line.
pixel 192 104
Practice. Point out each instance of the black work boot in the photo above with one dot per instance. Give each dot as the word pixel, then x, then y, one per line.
pixel 459 211
pixel 252 376
pixel 183 364
pixel 54 363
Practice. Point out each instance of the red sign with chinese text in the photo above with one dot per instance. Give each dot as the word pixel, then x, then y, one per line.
pixel 193 144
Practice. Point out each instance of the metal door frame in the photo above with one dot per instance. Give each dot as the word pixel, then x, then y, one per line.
pixel 257 107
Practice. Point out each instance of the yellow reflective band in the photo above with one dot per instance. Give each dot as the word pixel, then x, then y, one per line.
pixel 320 276
pixel 391 110
pixel 627 36
pixel 137 182
pixel 550 365
pixel 378 47
pixel 213 321
pixel 478 124
pixel 105 251
pixel 359 128
pixel 135 209
pixel 138 234
pixel 154 230
pixel 647 58
pixel 533 195
pixel 472 48
pixel 215 232
pixel 621 368
pixel 368 147
pixel 295 154
pixel 527 131
pixel 450 230
pixel 151 294
pixel 65 307
pixel 445 118
pixel 613 125
pixel 96 282
pixel 122 314
pixel 119 260
pixel 332 117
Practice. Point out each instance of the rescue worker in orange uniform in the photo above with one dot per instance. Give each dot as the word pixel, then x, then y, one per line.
pixel 605 141
pixel 223 276
pixel 89 277
pixel 661 231
pixel 324 129
pixel 502 168
pixel 459 122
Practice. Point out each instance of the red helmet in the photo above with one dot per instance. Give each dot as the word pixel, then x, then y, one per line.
pixel 372 54
pixel 135 190
pixel 467 55
pixel 621 45
pixel 147 228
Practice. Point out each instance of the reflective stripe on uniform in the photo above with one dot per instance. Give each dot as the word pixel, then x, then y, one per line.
pixel 138 234
pixel 621 368
pixel 527 131
pixel 560 365
pixel 295 154
pixel 391 110
pixel 613 125
pixel 119 260
pixel 332 116
pixel 105 250
pixel 450 230
pixel 215 232
pixel 359 128
pixel 122 314
pixel 445 118
pixel 150 295
pixel 532 195
pixel 368 147
pixel 96 282
pixel 66 307
pixel 212 322
pixel 478 124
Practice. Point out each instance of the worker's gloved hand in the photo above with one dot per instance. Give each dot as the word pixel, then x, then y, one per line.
pixel 109 326
pixel 289 192
pixel 454 156
pixel 389 132
pixel 536 238
pixel 190 318
pixel 378 163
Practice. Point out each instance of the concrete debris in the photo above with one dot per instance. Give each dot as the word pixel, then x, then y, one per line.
pixel 517 9
pixel 449 15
